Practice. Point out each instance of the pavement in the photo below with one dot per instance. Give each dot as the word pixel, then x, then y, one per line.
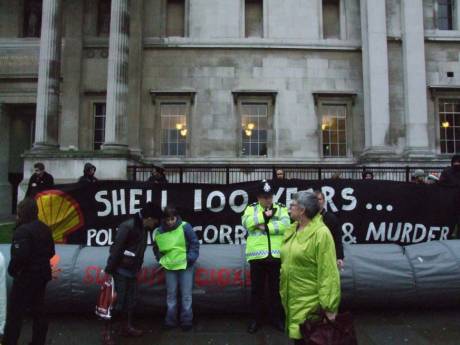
pixel 418 327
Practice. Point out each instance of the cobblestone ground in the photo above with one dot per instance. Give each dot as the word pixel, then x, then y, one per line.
pixel 373 328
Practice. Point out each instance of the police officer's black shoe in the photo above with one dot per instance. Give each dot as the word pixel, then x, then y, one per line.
pixel 253 327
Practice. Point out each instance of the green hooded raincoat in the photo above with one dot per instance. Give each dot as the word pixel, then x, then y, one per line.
pixel 309 276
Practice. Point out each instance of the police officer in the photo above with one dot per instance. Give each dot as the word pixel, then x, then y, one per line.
pixel 265 223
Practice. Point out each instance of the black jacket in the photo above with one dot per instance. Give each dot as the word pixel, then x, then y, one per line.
pixel 38 183
pixel 31 250
pixel 332 222
pixel 87 178
pixel 127 251
pixel 158 179
pixel 450 177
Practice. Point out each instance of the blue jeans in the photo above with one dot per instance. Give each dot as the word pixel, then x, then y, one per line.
pixel 184 280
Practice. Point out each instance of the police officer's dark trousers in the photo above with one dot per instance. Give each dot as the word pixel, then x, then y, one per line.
pixel 265 273
pixel 24 296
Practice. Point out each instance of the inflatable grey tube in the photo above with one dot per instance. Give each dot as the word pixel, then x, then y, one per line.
pixel 385 275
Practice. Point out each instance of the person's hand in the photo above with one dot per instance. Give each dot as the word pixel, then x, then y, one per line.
pixel 268 213
pixel 340 264
pixel 330 316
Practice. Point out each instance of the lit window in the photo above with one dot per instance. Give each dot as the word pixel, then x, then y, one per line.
pixel 444 15
pixel 449 125
pixel 334 130
pixel 175 18
pixel 253 18
pixel 32 18
pixel 174 129
pixel 254 123
pixel 331 18
pixel 99 125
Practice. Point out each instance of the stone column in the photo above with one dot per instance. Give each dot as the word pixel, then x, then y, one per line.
pixel 135 75
pixel 375 77
pixel 5 187
pixel 415 90
pixel 47 117
pixel 71 71
pixel 116 136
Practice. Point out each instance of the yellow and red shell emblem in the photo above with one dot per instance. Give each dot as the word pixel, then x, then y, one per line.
pixel 60 212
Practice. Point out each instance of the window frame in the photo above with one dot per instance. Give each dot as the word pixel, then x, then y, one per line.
pixel 342 19
pixel 164 19
pixel 455 16
pixel 24 17
pixel 264 21
pixel 437 97
pixel 172 97
pixel 322 101
pixel 93 123
pixel 267 98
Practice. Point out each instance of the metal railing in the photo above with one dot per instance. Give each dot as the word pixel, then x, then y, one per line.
pixel 234 174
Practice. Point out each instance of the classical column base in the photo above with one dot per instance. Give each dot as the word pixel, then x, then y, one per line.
pixel 40 147
pixel 115 148
pixel 377 153
pixel 417 153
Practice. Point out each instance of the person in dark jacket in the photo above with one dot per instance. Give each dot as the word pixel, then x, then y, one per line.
pixel 176 248
pixel 39 180
pixel 333 224
pixel 158 175
pixel 367 175
pixel 88 174
pixel 124 263
pixel 451 175
pixel 31 250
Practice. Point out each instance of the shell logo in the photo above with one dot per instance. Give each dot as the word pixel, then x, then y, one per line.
pixel 60 212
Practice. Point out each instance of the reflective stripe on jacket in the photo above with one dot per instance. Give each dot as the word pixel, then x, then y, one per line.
pixel 260 243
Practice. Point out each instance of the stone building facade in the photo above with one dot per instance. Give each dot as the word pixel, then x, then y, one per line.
pixel 188 82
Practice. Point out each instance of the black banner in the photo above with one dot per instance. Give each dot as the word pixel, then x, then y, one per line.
pixel 370 211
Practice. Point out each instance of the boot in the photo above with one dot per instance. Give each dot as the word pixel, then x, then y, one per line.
pixel 128 330
pixel 107 335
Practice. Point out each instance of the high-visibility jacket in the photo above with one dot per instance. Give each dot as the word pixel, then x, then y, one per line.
pixel 261 243
pixel 173 248
pixel 309 278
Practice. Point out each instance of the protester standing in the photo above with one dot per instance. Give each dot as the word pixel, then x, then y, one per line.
pixel 310 279
pixel 176 248
pixel 333 224
pixel 158 175
pixel 31 250
pixel 367 175
pixel 450 176
pixel 279 174
pixel 39 180
pixel 88 174
pixel 124 263
pixel 418 177
pixel 265 222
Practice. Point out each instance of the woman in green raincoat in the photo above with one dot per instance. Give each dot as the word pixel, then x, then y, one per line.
pixel 309 279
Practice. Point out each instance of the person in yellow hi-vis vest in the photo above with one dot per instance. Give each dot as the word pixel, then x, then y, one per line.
pixel 176 248
pixel 265 222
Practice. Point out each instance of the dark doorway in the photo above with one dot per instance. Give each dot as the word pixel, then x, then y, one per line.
pixel 21 133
